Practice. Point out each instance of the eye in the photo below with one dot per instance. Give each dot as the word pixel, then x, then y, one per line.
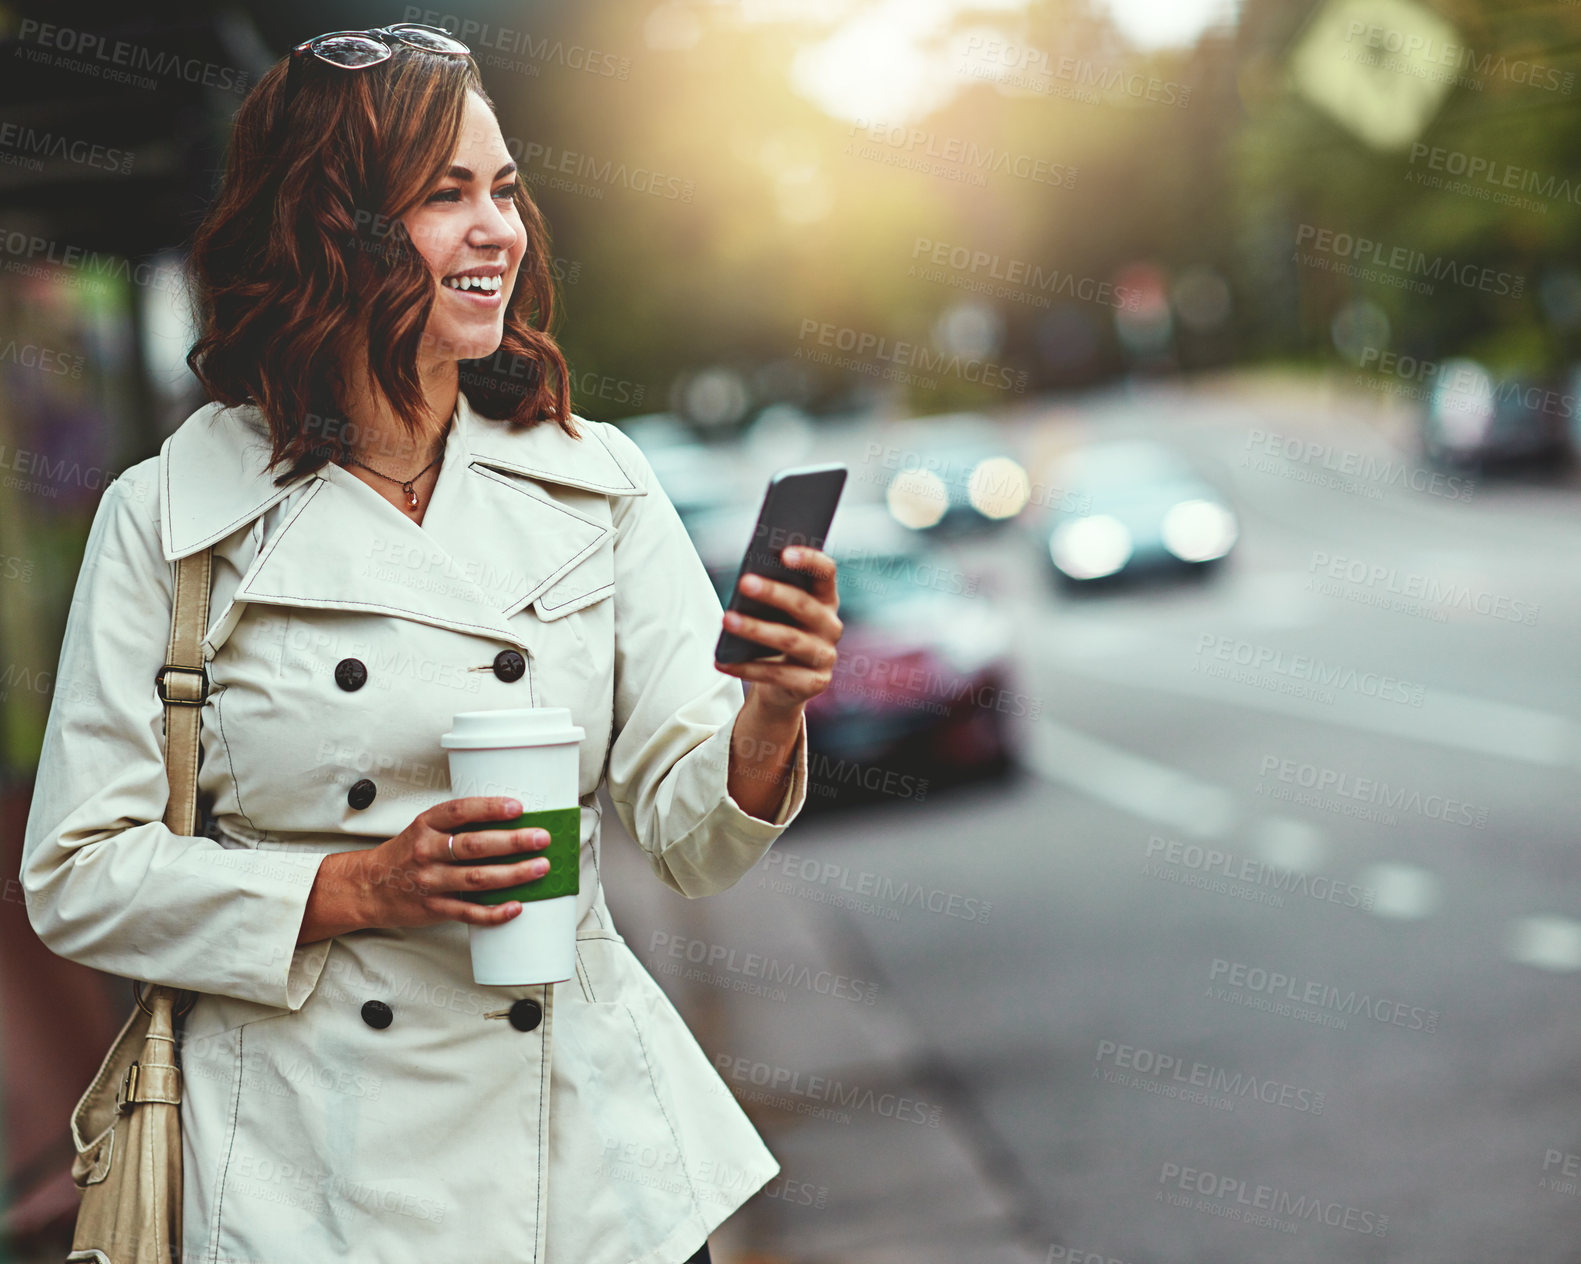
pixel 505 190
pixel 444 195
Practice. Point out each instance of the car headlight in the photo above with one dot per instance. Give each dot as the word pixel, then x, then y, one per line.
pixel 917 498
pixel 1090 548
pixel 1199 530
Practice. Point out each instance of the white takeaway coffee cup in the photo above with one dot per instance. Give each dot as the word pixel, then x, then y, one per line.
pixel 530 754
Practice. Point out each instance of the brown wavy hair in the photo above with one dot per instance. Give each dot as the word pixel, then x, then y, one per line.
pixel 303 256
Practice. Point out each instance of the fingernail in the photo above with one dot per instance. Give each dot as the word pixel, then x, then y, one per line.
pixel 513 807
pixel 793 554
pixel 750 583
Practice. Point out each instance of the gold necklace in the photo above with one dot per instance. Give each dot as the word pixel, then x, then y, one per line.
pixel 406 484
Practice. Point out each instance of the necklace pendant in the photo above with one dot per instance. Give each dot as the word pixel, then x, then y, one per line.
pixel 411 496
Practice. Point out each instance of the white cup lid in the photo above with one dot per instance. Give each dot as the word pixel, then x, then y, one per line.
pixel 519 726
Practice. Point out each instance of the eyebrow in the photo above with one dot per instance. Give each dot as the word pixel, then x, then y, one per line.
pixel 463 173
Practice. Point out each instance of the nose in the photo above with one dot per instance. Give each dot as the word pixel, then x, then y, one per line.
pixel 491 228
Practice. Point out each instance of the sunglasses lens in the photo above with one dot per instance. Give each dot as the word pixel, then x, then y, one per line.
pixel 431 41
pixel 352 51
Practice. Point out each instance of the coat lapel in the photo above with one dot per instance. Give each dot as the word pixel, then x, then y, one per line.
pixel 513 520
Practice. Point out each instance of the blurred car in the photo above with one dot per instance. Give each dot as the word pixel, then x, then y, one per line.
pixel 922 688
pixel 1134 507
pixel 697 475
pixel 1473 420
pixel 954 476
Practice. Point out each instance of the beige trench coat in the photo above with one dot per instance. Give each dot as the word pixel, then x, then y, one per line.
pixel 458 1132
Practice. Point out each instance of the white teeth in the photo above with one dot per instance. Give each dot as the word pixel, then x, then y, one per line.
pixel 487 285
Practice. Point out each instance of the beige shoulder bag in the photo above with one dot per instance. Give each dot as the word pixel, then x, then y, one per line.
pixel 127 1127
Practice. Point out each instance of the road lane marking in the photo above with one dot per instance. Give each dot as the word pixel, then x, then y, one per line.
pixel 1404 892
pixel 1483 726
pixel 1549 943
pixel 1130 782
pixel 1285 842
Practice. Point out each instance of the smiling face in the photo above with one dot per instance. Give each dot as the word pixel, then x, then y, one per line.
pixel 471 235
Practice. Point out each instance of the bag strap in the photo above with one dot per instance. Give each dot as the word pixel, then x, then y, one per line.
pixel 183 684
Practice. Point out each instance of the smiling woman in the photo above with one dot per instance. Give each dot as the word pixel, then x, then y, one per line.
pixel 330 291
pixel 444 537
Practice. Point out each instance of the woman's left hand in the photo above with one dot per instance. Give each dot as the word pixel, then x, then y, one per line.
pixel 809 653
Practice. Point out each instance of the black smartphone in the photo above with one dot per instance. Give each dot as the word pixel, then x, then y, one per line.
pixel 798 508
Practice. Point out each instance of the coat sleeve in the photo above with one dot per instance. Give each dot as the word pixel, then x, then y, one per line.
pixel 106 882
pixel 669 757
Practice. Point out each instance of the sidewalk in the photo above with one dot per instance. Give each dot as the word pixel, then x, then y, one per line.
pixel 869 1181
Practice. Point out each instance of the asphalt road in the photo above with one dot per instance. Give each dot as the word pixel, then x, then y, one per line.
pixel 1274 971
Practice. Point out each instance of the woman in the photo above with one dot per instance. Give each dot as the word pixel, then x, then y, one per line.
pixel 443 537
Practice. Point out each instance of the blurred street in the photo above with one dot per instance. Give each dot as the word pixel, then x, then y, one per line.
pixel 1366 998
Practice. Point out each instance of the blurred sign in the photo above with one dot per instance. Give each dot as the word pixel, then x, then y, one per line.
pixel 1380 68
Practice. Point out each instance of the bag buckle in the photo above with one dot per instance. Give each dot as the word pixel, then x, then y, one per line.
pixel 185 700
pixel 126 1098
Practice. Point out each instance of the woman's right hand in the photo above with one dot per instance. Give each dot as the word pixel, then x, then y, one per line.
pixel 410 880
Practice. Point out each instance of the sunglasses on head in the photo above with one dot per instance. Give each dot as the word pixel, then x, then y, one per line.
pixel 354 50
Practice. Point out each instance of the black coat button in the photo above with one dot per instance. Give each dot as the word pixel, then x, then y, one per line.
pixel 377 1014
pixel 509 665
pixel 526 1014
pixel 361 794
pixel 350 674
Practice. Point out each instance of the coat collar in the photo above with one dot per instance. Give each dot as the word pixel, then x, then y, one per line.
pixel 512 520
